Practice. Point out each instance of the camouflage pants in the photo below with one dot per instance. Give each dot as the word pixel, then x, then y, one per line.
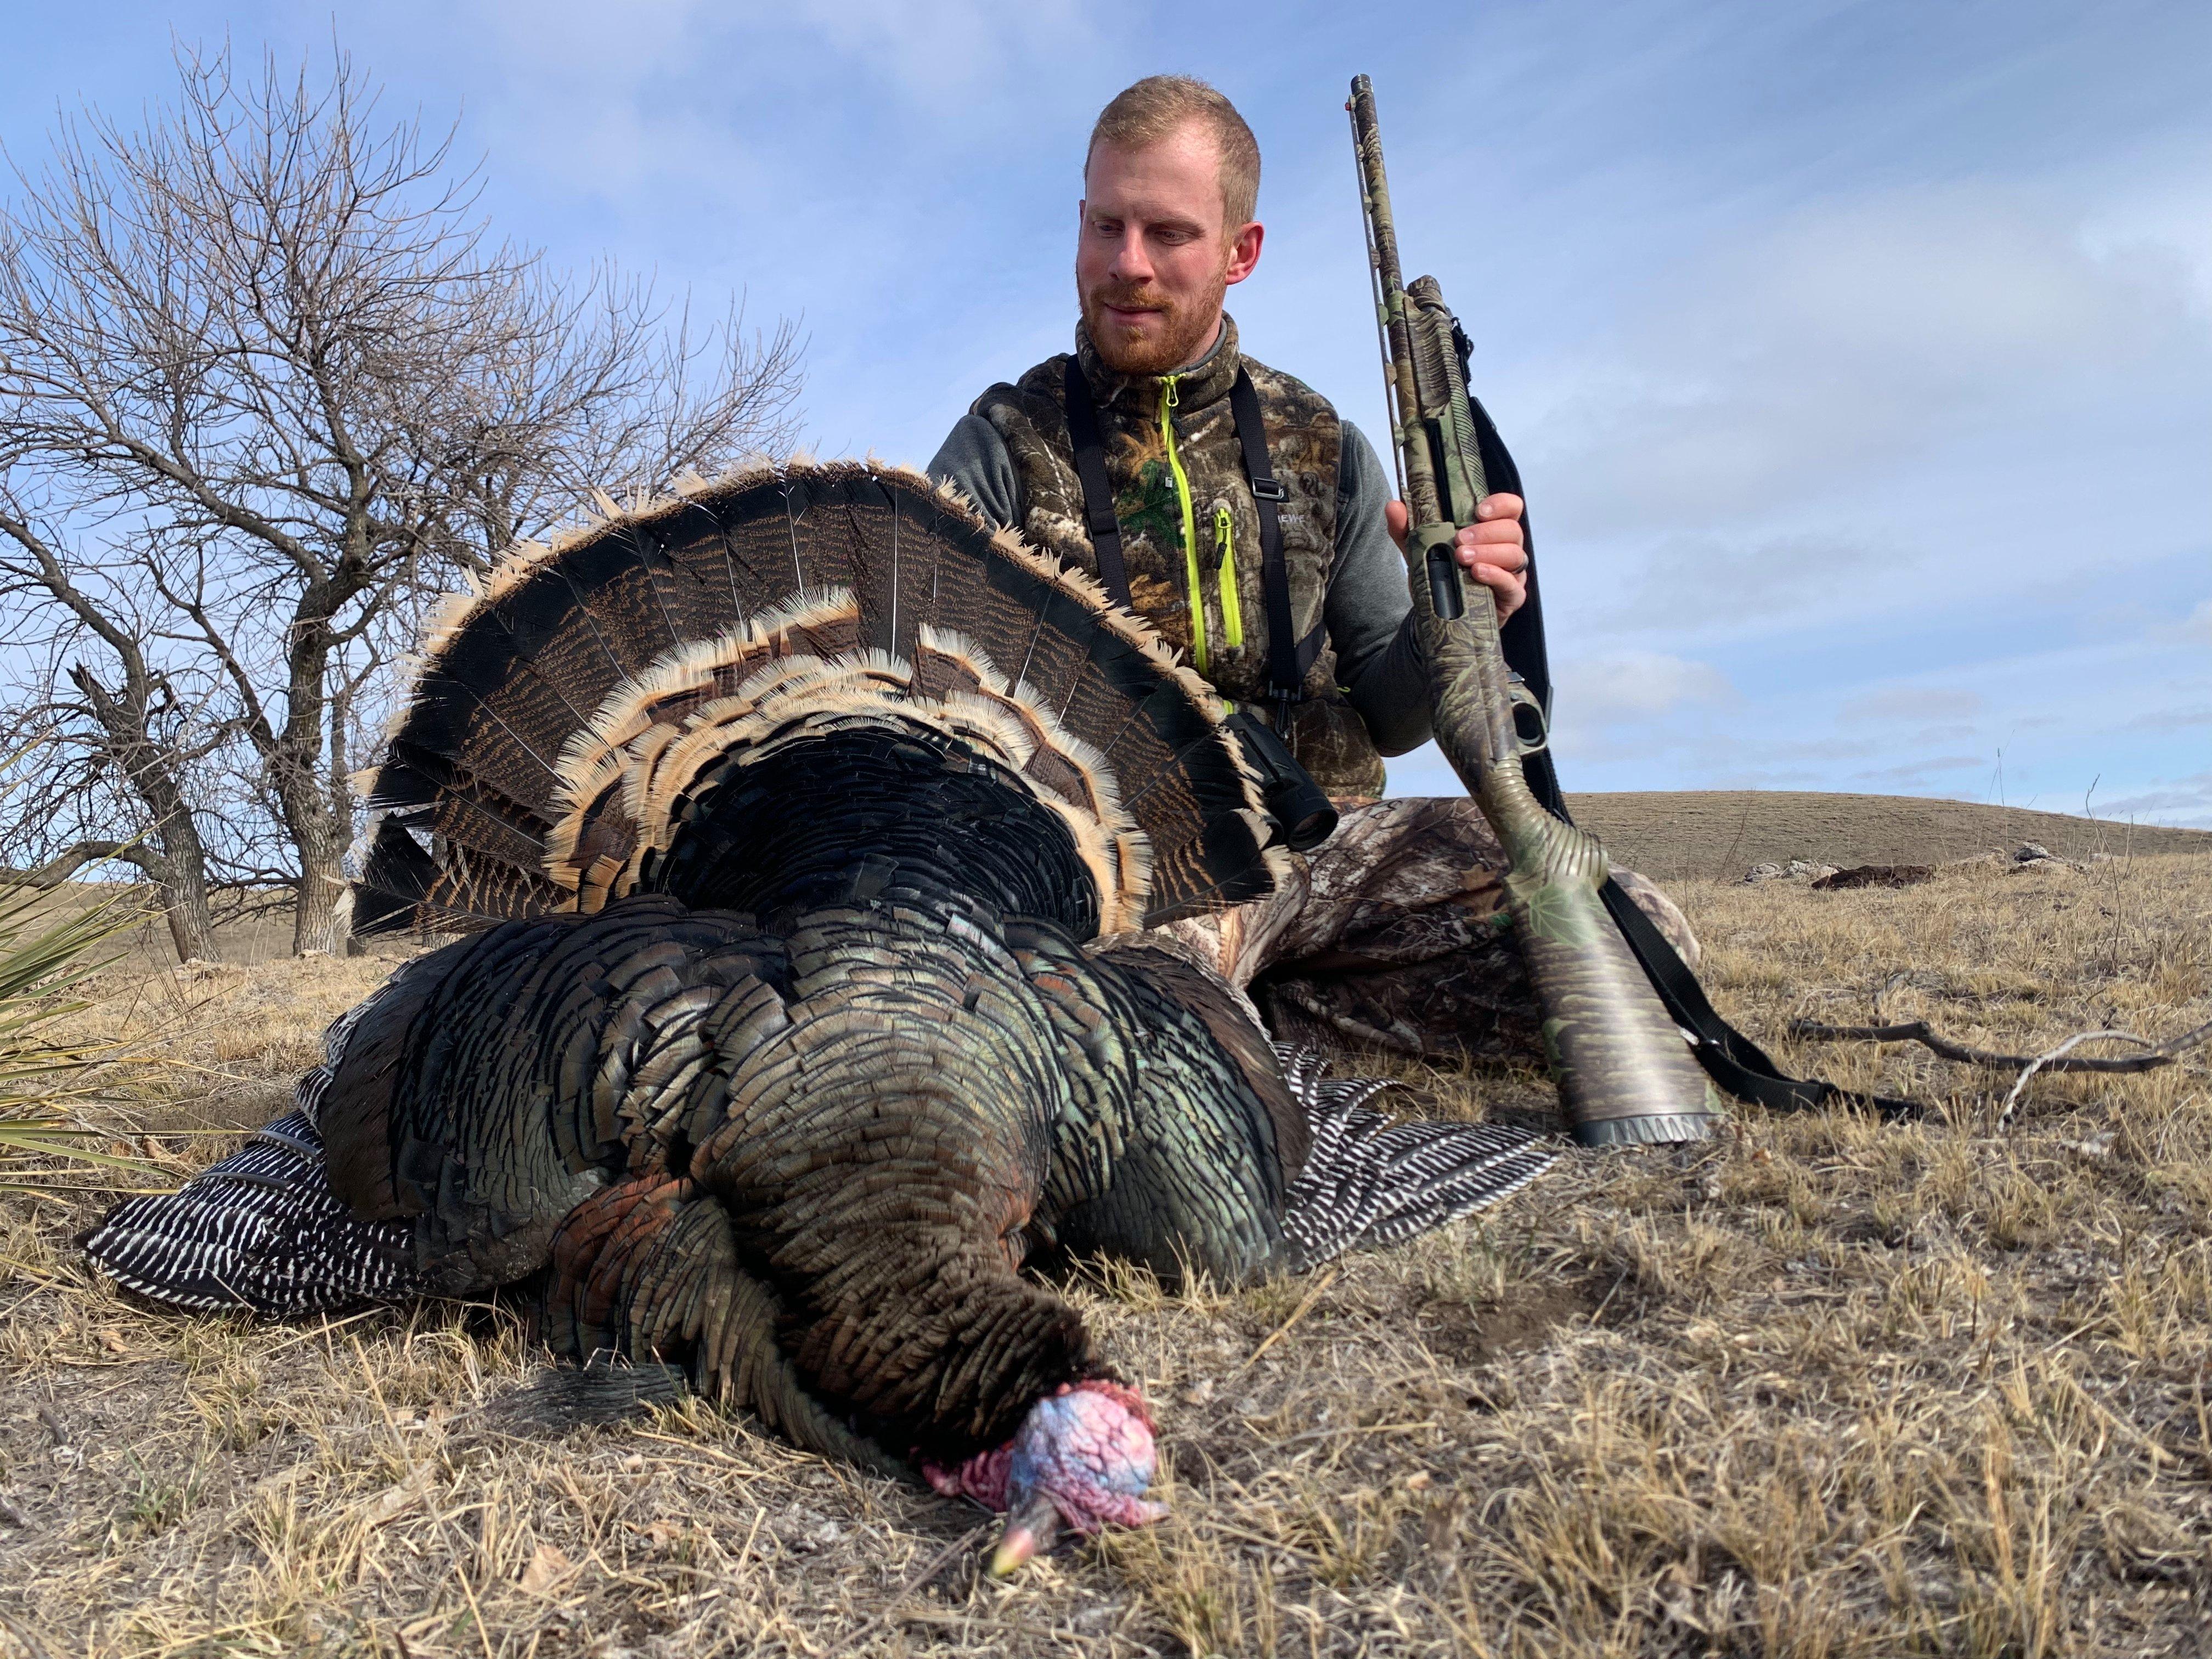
pixel 1393 934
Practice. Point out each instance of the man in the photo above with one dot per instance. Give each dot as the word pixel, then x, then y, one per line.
pixel 1391 931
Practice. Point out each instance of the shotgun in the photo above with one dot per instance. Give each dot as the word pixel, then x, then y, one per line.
pixel 1624 1068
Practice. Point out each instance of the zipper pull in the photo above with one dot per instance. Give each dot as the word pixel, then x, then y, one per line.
pixel 1232 609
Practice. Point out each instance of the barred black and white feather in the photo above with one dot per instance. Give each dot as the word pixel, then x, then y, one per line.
pixel 1369 1181
pixel 261 1230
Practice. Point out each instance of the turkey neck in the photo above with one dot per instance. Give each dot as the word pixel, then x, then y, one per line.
pixel 883 1158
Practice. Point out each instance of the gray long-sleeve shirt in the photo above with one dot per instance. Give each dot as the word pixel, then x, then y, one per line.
pixel 1368 609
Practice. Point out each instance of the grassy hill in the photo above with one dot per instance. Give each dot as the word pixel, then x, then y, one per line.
pixel 1718 834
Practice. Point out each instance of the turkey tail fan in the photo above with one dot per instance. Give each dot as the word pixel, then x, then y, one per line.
pixel 1369 1181
pixel 781 677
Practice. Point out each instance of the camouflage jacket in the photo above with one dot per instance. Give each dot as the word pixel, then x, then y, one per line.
pixel 1190 529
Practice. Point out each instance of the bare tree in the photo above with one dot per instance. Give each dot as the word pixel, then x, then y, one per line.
pixel 133 748
pixel 265 379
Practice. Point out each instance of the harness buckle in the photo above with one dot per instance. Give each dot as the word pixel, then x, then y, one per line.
pixel 1270 489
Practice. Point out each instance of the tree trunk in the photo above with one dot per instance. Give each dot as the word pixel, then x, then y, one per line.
pixel 181 881
pixel 178 865
pixel 307 759
pixel 318 923
pixel 184 903
pixel 328 878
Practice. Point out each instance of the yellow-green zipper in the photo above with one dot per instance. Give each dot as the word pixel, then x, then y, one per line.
pixel 1232 610
pixel 1168 402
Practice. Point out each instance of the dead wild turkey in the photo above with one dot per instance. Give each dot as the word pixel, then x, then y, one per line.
pixel 804 831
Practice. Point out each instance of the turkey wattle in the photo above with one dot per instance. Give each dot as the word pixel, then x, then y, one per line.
pixel 804 831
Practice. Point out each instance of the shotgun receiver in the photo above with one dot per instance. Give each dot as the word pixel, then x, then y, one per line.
pixel 1624 1069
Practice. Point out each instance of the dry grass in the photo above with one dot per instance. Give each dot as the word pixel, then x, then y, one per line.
pixel 1822 1388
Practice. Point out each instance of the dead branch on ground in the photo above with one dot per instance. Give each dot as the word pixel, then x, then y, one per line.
pixel 2153 1054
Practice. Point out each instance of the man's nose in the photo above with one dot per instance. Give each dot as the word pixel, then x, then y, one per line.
pixel 1131 263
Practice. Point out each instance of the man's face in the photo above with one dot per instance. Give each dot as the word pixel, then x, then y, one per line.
pixel 1154 258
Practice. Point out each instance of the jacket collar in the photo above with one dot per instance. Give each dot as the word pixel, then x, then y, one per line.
pixel 1203 382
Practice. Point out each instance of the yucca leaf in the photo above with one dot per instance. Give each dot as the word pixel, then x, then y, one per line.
pixel 55 1138
pixel 43 955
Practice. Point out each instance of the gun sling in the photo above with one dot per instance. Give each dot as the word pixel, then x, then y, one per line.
pixel 1097 495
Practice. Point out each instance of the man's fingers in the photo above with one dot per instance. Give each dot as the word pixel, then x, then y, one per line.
pixel 1491 550
pixel 1506 556
pixel 1496 538
pixel 1507 588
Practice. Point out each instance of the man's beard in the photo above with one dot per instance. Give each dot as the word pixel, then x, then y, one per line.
pixel 1189 328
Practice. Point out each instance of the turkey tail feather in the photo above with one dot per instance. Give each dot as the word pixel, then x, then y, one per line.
pixel 259 1229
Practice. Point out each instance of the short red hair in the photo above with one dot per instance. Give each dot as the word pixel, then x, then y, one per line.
pixel 1160 104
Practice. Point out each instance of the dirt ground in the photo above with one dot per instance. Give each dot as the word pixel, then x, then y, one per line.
pixel 1718 834
pixel 1826 1386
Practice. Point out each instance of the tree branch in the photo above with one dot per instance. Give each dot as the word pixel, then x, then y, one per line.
pixel 55 871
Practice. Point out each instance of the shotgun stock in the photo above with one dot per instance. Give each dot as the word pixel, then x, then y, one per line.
pixel 1624 1070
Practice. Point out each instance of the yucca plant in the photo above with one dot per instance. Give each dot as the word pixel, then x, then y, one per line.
pixel 46 948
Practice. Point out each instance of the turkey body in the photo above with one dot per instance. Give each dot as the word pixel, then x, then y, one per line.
pixel 806 999
pixel 806 1161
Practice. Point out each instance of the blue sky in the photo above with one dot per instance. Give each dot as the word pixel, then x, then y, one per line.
pixel 1859 356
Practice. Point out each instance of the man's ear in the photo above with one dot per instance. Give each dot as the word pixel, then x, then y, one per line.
pixel 1244 252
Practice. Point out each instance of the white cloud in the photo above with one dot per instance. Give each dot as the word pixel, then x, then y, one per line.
pixel 1912 703
pixel 1636 685
pixel 2184 801
pixel 2170 720
pixel 2161 206
pixel 1857 333
pixel 1919 774
pixel 939 54
pixel 667 55
pixel 1687 580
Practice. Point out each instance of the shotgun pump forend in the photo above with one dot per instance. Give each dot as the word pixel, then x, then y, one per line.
pixel 1624 1069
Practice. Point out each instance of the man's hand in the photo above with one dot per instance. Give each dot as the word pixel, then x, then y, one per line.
pixel 1490 549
